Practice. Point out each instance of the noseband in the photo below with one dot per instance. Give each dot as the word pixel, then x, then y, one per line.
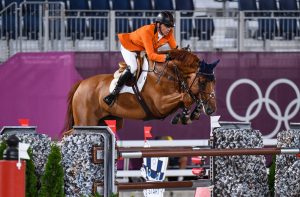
pixel 184 86
pixel 209 77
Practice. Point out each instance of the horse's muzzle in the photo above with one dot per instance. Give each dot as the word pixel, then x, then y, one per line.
pixel 209 111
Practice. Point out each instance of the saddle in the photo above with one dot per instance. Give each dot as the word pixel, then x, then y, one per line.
pixel 140 58
pixel 122 66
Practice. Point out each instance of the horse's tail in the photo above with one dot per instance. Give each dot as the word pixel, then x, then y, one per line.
pixel 69 122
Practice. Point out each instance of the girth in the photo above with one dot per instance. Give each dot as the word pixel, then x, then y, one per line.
pixel 142 102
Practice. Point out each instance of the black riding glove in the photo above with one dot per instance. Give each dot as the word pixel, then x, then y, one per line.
pixel 168 57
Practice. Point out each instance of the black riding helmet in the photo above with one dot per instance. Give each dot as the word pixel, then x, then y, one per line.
pixel 165 18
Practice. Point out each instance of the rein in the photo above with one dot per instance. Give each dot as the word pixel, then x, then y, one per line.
pixel 179 78
pixel 161 73
pixel 182 83
pixel 199 101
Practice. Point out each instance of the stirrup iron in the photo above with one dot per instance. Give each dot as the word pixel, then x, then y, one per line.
pixel 110 99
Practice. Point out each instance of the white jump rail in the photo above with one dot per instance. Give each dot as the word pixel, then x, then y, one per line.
pixel 178 143
pixel 126 173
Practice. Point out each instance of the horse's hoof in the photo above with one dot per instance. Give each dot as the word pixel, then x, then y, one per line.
pixel 185 121
pixel 176 119
pixel 189 121
pixel 195 116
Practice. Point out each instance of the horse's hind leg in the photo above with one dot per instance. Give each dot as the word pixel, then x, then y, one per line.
pixel 69 132
pixel 84 116
pixel 90 121
pixel 86 119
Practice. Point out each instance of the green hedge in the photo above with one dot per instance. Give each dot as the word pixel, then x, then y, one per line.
pixel 52 182
pixel 31 178
pixel 53 179
pixel 271 176
pixel 2 148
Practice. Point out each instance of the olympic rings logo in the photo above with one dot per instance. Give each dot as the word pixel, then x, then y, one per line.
pixel 277 115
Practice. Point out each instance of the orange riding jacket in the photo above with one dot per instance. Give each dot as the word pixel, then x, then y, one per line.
pixel 146 39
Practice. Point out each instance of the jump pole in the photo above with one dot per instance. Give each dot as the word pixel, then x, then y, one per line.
pixel 209 152
pixel 151 149
pixel 167 184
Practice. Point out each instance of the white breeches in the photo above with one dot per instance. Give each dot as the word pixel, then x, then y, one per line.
pixel 129 58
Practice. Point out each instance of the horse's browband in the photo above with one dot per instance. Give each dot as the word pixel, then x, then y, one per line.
pixel 210 76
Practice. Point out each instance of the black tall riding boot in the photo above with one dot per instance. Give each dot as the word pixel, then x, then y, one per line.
pixel 110 99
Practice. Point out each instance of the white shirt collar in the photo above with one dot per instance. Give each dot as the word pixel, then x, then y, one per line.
pixel 159 36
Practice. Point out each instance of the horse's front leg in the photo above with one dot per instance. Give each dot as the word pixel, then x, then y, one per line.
pixel 186 116
pixel 67 133
pixel 197 111
pixel 183 117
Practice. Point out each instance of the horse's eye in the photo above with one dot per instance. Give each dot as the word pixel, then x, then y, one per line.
pixel 202 85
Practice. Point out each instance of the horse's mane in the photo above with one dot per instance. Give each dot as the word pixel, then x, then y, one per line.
pixel 184 56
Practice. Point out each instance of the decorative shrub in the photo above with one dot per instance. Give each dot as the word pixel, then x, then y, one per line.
pixel 53 179
pixel 271 176
pixel 31 179
pixel 2 148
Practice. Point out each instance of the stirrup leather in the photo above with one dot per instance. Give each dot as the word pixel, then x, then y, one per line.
pixel 110 99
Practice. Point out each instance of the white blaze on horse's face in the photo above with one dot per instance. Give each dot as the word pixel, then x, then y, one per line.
pixel 207 95
pixel 207 86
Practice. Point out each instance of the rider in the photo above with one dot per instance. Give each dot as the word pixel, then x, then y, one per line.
pixel 147 38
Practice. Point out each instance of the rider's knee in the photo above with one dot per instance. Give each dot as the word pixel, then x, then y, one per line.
pixel 132 68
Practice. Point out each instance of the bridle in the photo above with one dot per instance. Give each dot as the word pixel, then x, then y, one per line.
pixel 209 77
pixel 183 84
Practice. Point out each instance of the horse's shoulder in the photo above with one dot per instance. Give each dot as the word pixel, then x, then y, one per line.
pixel 95 79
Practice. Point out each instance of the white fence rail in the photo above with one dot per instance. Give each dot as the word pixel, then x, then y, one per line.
pixel 126 173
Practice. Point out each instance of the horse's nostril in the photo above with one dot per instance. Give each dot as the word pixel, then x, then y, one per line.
pixel 209 110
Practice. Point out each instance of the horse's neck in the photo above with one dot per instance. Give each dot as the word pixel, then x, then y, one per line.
pixel 165 76
pixel 162 89
pixel 170 69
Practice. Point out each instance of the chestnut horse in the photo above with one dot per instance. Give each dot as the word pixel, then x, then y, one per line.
pixel 171 85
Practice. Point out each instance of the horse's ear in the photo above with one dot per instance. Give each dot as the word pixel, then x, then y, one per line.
pixel 208 68
pixel 187 48
pixel 214 64
pixel 202 64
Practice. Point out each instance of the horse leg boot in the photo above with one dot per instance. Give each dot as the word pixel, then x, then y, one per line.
pixel 197 111
pixel 110 99
pixel 185 116
pixel 182 118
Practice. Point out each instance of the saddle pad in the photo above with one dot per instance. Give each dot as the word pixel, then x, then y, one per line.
pixel 140 82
